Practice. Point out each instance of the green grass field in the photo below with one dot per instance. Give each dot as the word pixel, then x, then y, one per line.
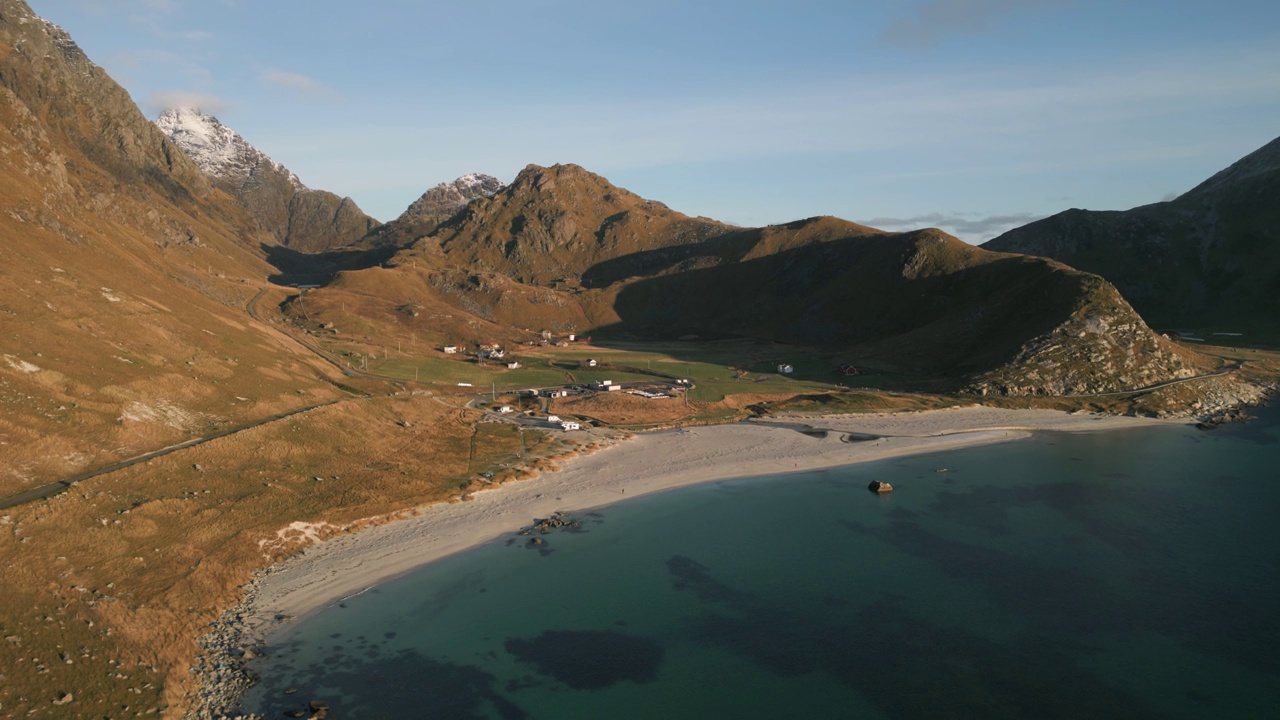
pixel 716 369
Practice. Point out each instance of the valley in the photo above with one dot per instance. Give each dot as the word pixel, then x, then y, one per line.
pixel 209 367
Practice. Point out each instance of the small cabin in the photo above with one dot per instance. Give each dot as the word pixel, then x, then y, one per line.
pixel 590 362
pixel 513 365
pixel 504 409
pixel 450 349
pixel 785 369
pixel 553 418
pixel 570 425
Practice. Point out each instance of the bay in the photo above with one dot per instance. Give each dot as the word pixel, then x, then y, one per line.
pixel 1128 573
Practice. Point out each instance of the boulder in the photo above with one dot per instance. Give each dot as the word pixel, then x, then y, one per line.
pixel 878 486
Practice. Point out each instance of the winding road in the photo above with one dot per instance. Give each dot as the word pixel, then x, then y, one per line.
pixel 48 491
pixel 54 488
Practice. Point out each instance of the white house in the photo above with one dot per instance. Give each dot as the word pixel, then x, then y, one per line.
pixel 570 425
pixel 572 337
pixel 504 409
pixel 513 365
pixel 553 418
pixel 786 369
pixel 450 349
pixel 591 362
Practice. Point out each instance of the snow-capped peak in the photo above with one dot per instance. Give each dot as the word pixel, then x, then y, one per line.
pixel 216 148
pixel 448 196
pixel 487 184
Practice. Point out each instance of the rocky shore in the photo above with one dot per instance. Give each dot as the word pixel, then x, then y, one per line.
pixel 222 670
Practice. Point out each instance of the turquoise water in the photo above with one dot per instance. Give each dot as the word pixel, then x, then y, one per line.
pixel 1128 574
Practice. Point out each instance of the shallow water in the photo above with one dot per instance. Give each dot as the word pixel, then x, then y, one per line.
pixel 1126 574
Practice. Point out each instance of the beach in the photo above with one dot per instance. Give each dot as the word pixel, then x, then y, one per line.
pixel 326 572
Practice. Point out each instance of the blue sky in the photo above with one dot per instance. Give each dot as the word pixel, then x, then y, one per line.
pixel 970 115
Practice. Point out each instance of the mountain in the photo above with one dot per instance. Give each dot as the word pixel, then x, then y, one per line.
pixel 556 222
pixel 125 275
pixel 433 208
pixel 563 248
pixel 1210 257
pixel 296 216
pixel 442 201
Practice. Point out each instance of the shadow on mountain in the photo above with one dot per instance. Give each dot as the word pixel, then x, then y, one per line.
pixel 914 301
pixel 730 247
pixel 301 268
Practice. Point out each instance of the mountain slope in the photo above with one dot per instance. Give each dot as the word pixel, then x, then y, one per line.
pixel 123 275
pixel 562 248
pixel 1209 257
pixel 296 216
pixel 555 223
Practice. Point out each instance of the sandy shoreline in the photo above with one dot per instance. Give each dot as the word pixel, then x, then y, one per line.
pixel 327 572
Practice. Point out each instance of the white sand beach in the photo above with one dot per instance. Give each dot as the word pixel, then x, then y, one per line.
pixel 650 462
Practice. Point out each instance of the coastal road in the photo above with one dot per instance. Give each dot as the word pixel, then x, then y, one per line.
pixel 252 309
pixel 48 491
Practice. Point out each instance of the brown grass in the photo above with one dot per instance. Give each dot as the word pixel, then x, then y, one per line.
pixel 121 574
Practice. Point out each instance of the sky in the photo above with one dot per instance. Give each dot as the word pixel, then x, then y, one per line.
pixel 974 116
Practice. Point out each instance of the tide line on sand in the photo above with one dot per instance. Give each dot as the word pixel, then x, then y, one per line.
pixel 648 463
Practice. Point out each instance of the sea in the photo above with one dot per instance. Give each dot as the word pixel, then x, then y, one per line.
pixel 1120 574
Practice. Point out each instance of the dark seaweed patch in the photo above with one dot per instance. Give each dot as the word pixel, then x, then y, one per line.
pixel 406 684
pixel 589 659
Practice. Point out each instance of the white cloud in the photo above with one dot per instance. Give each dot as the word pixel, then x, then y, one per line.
pixel 164 100
pixel 929 22
pixel 295 81
pixel 151 23
pixel 971 227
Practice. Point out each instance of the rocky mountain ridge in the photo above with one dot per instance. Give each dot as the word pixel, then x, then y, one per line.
pixel 217 149
pixel 296 216
pixel 433 208
pixel 1210 257
pixel 562 247
pixel 554 223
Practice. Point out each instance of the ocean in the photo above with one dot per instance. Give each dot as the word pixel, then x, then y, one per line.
pixel 1130 573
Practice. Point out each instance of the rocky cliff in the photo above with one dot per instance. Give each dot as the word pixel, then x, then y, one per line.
pixel 296 216
pixel 1210 257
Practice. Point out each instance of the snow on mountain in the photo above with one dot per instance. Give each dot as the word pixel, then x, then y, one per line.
pixel 441 201
pixel 219 151
pixel 457 193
